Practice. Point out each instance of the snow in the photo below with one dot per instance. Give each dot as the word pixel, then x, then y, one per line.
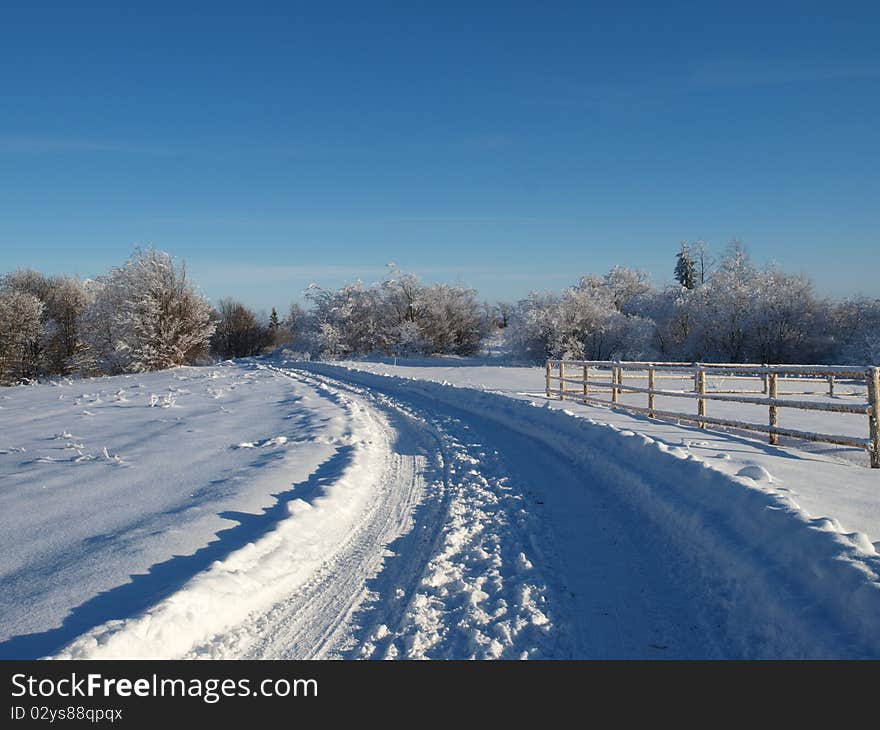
pixel 747 543
pixel 257 575
pixel 826 479
pixel 107 504
pixel 439 508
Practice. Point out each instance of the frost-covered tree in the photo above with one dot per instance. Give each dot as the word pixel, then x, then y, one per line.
pixel 675 313
pixel 346 322
pixel 585 321
pixel 401 295
pixel 407 340
pixel 20 330
pixel 146 315
pixel 593 327
pixel 729 306
pixel 399 315
pixel 704 261
pixel 532 326
pixel 855 325
pixel 788 324
pixel 451 320
pixel 67 299
pixel 63 299
pixel 625 287
pixel 503 313
pixel 745 314
pixel 31 358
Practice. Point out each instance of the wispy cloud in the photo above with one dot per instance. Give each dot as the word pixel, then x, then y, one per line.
pixel 770 73
pixel 493 141
pixel 207 272
pixel 213 274
pixel 21 143
pixel 43 144
pixel 342 221
pixel 720 74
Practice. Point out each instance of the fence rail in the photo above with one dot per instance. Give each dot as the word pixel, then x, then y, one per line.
pixel 607 376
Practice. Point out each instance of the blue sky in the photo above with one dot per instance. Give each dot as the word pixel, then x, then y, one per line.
pixel 515 146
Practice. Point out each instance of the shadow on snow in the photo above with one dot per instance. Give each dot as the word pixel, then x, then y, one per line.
pixel 163 579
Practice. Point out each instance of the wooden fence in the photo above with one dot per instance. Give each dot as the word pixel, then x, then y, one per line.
pixel 608 376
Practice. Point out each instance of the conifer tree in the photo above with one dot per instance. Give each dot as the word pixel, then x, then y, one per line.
pixel 685 271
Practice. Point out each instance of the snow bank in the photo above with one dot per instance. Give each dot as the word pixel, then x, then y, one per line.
pixel 257 575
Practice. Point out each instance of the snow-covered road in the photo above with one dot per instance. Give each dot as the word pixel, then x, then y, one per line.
pixel 500 552
pixel 466 538
pixel 632 548
pixel 329 612
pixel 417 520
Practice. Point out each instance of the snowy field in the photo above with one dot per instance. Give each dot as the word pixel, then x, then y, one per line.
pixel 430 509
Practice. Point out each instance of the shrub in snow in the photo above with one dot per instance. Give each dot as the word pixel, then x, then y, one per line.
pixel 585 321
pixel 146 315
pixel 451 321
pixel 399 315
pixel 346 321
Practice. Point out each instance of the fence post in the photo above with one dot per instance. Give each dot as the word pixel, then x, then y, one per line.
pixel 766 380
pixel 650 392
pixel 831 385
pixel 873 379
pixel 586 382
pixel 561 380
pixel 701 389
pixel 615 374
pixel 547 377
pixel 774 411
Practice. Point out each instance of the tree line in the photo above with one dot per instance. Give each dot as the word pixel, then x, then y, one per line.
pixel 729 310
pixel 148 315
pixel 143 315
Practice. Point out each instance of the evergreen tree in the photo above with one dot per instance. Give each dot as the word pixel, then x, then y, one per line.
pixel 273 321
pixel 685 271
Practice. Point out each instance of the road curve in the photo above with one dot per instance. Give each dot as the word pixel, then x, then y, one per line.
pixel 479 543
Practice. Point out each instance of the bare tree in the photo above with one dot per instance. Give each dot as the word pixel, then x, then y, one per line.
pixel 238 333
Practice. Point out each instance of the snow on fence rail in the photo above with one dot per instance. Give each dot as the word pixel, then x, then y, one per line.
pixel 593 377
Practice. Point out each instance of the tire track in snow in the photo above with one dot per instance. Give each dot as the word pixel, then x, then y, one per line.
pixel 427 573
pixel 533 561
pixel 463 530
pixel 216 601
pixel 329 613
pixel 649 545
pixel 497 582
